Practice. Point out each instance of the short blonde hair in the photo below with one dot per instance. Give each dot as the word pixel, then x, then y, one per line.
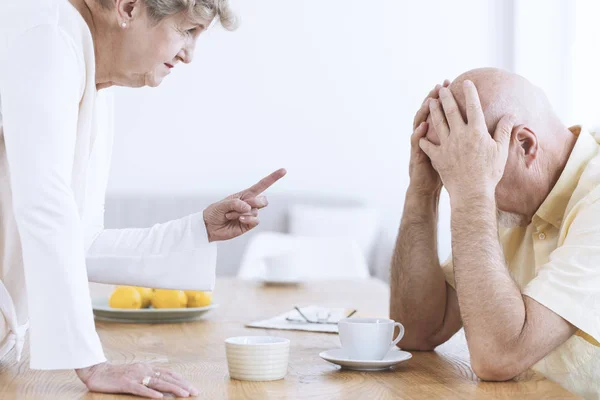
pixel 195 10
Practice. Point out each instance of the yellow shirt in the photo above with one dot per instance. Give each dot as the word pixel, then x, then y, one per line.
pixel 555 260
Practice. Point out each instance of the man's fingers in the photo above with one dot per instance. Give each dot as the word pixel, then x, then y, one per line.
pixel 422 114
pixel 474 112
pixel 419 133
pixel 428 148
pixel 433 94
pixel 504 129
pixel 451 111
pixel 266 182
pixel 439 120
pixel 424 110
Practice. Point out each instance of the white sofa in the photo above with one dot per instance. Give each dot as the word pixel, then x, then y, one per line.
pixel 124 211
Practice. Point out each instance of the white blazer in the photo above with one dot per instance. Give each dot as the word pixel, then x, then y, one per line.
pixel 55 149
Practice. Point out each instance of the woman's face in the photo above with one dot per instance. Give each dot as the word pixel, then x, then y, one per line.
pixel 149 51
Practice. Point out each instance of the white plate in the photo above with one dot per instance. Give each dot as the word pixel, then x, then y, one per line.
pixel 339 357
pixel 104 312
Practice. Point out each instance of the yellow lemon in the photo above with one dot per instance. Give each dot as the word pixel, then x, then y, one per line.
pixel 162 298
pixel 198 299
pixel 146 295
pixel 125 297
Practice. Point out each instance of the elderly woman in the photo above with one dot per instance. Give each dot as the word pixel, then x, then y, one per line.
pixel 54 57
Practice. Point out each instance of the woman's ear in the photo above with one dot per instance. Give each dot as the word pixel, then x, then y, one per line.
pixel 128 9
pixel 527 143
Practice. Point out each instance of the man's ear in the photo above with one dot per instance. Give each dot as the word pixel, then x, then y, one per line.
pixel 527 142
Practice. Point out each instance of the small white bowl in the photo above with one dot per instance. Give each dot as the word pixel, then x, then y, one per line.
pixel 257 358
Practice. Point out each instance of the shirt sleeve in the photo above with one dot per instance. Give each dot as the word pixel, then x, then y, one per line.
pixel 173 255
pixel 569 284
pixel 41 88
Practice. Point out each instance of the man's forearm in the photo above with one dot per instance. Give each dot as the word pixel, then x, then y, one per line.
pixel 418 286
pixel 491 304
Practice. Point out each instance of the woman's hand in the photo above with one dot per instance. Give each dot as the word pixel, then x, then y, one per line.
pixel 238 213
pixel 142 380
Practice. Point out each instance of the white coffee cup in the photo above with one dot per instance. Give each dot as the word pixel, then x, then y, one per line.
pixel 282 267
pixel 368 338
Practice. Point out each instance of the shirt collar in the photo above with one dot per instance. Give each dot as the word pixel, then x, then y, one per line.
pixel 554 206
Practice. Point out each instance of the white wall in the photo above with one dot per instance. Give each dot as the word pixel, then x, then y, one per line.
pixel 557 49
pixel 544 32
pixel 326 89
pixel 584 56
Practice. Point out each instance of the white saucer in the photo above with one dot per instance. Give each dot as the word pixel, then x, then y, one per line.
pixel 339 357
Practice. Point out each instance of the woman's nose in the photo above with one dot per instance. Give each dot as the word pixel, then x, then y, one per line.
pixel 187 53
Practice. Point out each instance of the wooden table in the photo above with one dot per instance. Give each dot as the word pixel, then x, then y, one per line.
pixel 197 351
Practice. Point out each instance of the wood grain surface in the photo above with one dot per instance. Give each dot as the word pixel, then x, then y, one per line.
pixel 196 350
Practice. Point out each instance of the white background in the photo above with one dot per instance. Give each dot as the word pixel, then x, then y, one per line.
pixel 328 89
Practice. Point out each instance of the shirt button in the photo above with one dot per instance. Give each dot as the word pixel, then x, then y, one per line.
pixel 542 236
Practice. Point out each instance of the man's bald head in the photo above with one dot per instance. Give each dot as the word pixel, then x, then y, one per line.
pixel 501 93
pixel 540 144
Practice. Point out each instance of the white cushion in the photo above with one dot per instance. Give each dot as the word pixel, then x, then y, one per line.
pixel 360 224
pixel 313 258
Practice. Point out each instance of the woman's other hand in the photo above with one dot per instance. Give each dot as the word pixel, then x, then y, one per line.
pixel 142 380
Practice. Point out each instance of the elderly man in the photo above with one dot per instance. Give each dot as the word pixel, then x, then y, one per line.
pixel 524 277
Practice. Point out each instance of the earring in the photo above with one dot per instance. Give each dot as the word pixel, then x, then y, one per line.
pixel 124 25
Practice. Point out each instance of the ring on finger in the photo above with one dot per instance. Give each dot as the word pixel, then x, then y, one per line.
pixel 157 374
pixel 146 381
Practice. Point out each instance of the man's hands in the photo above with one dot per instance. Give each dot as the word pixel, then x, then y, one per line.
pixel 468 160
pixel 110 378
pixel 238 213
pixel 419 295
pixel 424 179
